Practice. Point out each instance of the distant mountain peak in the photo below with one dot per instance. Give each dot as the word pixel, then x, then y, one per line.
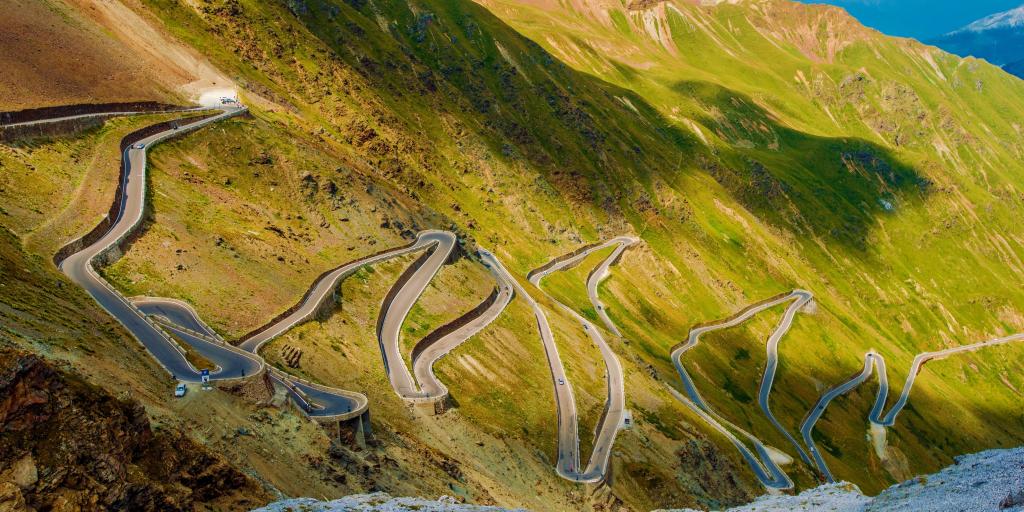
pixel 998 38
pixel 1012 18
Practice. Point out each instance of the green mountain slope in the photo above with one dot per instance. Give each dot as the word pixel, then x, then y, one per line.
pixel 755 147
pixel 891 167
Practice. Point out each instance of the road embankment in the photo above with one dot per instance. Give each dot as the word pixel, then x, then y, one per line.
pixel 104 225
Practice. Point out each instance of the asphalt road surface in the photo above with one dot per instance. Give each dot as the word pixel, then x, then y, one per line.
pixel 425 387
pixel 423 363
pixel 150 319
pixel 767 470
pixel 873 360
pixel 600 274
pixel 568 465
pixel 325 287
pixel 396 311
pixel 79 268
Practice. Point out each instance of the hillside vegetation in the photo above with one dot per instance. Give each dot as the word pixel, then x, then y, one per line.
pixel 754 146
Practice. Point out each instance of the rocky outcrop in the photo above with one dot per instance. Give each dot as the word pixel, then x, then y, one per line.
pixel 712 473
pixel 69 445
pixel 379 502
pixel 987 481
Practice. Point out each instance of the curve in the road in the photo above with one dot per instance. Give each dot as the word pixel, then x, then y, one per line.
pixel 877 416
pixel 600 273
pixel 568 465
pixel 766 469
pixel 443 340
pixel 79 267
pixel 315 400
pixel 425 387
pixel 151 320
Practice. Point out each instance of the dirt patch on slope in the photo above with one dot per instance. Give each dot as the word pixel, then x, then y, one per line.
pixel 51 55
pixel 88 51
pixel 178 66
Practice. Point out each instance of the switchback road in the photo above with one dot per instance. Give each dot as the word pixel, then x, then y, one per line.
pixel 172 316
pixel 874 360
pixel 766 465
pixel 79 268
pixel 568 465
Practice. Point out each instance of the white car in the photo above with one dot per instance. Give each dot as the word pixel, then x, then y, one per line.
pixel 139 146
pixel 180 390
pixel 561 382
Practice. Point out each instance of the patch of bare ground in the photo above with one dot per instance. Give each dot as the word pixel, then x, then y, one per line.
pixel 51 55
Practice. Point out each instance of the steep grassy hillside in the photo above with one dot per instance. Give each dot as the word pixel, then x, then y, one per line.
pixel 890 169
pixel 754 147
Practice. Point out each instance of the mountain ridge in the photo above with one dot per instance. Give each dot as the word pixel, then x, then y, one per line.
pixel 998 38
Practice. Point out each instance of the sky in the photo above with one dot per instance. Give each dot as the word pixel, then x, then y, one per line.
pixel 921 19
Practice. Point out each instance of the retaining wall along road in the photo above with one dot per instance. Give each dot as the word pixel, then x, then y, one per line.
pixel 43 113
pixel 547 266
pixel 67 119
pixel 452 326
pixel 284 314
pixel 101 229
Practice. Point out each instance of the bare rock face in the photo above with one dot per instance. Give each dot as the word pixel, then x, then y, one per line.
pixel 69 445
pixel 22 473
pixel 11 499
pixel 713 474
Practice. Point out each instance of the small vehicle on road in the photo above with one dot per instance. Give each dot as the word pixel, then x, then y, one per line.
pixel 139 146
pixel 180 390
pixel 561 382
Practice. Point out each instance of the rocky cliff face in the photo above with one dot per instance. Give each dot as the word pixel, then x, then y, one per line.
pixel 68 445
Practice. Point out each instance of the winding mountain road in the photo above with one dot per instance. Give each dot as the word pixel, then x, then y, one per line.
pixel 321 400
pixel 79 268
pixel 600 274
pixel 324 288
pixel 423 360
pixel 425 387
pixel 873 360
pixel 150 319
pixel 396 308
pixel 799 299
pixel 568 465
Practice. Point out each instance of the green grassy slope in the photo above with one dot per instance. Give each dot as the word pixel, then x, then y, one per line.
pixel 754 148
pixel 514 161
pixel 887 171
